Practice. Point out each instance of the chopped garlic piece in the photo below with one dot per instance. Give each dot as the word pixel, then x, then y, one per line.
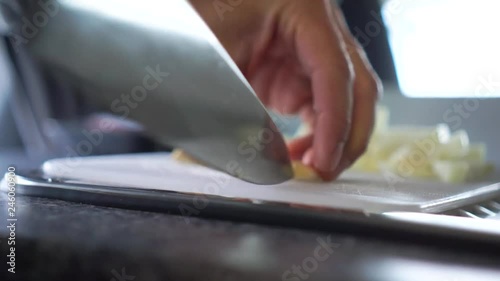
pixel 183 157
pixel 303 172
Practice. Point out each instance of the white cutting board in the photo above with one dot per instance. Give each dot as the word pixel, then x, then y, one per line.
pixel 353 191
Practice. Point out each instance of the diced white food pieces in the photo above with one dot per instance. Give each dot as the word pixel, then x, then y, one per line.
pixel 397 142
pixel 408 134
pixel 451 171
pixel 461 171
pixel 476 152
pixel 423 152
pixel 381 119
pixel 409 161
pixel 456 148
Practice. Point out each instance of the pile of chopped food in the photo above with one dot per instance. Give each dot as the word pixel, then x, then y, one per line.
pixel 433 153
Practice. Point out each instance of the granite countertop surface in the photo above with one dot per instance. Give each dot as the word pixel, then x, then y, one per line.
pixel 58 240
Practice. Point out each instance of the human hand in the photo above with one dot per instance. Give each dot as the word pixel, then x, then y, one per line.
pixel 300 58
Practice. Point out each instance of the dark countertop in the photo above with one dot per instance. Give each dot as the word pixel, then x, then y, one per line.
pixel 57 240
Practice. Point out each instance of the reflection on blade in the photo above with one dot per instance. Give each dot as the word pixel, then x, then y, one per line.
pixel 251 151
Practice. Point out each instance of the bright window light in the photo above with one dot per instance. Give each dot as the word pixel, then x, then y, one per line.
pixel 445 48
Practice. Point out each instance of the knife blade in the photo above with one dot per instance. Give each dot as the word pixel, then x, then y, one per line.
pixel 158 63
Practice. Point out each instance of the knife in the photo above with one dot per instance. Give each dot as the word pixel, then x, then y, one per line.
pixel 158 63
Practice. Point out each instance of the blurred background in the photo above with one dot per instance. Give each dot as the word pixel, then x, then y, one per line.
pixel 439 61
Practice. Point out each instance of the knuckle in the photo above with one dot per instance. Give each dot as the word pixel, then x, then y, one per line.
pixel 370 85
pixel 343 116
pixel 346 69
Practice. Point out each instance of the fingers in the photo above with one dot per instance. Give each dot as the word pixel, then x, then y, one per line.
pixel 365 98
pixel 367 89
pixel 366 93
pixel 343 108
pixel 298 147
pixel 262 80
pixel 321 53
pixel 289 91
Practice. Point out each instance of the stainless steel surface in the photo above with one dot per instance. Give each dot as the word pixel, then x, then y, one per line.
pixel 487 209
pixel 452 223
pixel 158 63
